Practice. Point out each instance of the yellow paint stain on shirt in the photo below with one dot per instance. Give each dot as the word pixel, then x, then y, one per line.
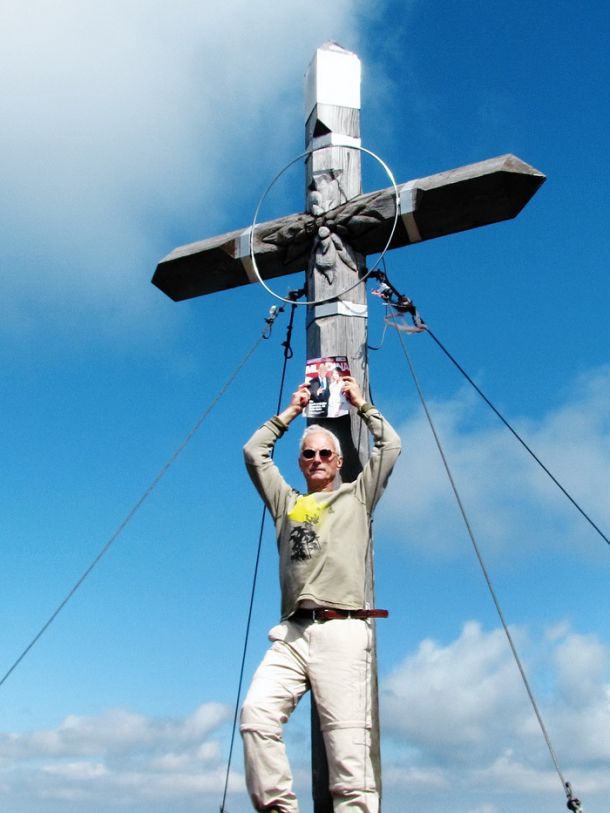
pixel 307 509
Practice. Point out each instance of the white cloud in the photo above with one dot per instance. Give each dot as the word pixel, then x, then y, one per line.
pixel 452 700
pixel 495 475
pixel 119 757
pixel 77 771
pixel 122 122
pixel 458 715
pixel 485 808
pixel 456 722
pixel 581 661
pixel 409 777
pixel 114 731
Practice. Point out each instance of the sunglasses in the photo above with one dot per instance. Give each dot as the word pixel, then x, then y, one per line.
pixel 325 454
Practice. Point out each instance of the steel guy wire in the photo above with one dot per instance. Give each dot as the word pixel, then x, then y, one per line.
pixel 401 305
pixel 136 507
pixel 288 354
pixel 517 436
pixel 483 565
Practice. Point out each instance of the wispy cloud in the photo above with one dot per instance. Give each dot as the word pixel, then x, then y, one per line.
pixel 119 757
pixel 507 496
pixel 122 123
pixel 460 717
pixel 454 716
pixel 116 730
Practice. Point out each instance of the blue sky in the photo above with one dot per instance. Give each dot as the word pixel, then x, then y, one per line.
pixel 130 128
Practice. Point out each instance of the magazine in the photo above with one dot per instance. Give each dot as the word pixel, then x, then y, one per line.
pixel 325 379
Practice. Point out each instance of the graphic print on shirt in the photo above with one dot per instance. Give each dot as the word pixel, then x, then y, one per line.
pixel 308 512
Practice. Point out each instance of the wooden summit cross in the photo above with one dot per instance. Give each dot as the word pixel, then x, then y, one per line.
pixel 330 242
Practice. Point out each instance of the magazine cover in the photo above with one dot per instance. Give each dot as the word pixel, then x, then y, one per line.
pixel 325 379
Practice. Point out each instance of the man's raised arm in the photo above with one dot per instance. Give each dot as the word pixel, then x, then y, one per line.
pixel 298 401
pixel 373 479
pixel 258 452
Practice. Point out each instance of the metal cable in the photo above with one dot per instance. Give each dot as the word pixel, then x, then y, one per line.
pixel 155 482
pixel 401 305
pixel 479 556
pixel 287 356
pixel 516 434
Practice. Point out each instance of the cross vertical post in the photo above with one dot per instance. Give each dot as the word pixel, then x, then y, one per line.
pixel 338 326
pixel 333 175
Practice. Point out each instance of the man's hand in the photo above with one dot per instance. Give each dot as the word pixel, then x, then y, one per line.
pixel 352 391
pixel 298 401
pixel 300 397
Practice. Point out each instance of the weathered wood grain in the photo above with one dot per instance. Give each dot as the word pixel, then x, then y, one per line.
pixel 445 203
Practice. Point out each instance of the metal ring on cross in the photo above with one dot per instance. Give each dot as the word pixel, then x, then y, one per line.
pixel 370 270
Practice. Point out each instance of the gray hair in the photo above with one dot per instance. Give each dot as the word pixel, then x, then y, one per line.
pixel 315 427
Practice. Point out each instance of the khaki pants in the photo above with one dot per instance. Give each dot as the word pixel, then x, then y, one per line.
pixel 333 658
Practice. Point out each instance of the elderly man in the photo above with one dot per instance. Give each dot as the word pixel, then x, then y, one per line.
pixel 323 641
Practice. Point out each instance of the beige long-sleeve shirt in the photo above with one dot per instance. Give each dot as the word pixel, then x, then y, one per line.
pixel 323 537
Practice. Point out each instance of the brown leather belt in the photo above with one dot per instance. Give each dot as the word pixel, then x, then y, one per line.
pixel 330 614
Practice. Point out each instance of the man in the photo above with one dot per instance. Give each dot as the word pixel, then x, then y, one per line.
pixel 323 641
pixel 319 391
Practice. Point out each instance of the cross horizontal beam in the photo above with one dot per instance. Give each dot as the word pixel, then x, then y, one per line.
pixel 457 200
